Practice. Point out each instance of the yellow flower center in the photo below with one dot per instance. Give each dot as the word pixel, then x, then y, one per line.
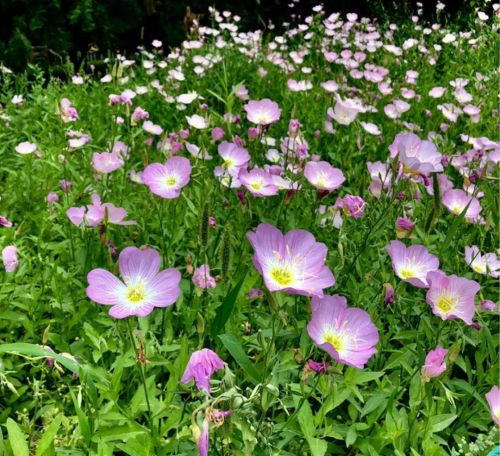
pixel 256 185
pixel 446 303
pixel 335 340
pixel 171 181
pixel 456 209
pixel 408 273
pixel 479 268
pixel 283 276
pixel 136 294
pixel 228 163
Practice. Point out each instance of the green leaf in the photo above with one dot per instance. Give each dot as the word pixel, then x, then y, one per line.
pixel 233 346
pixel 306 421
pixel 225 310
pixel 17 439
pixel 440 422
pixel 48 436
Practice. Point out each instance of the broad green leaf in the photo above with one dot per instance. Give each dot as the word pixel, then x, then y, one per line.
pixel 48 436
pixel 233 346
pixel 440 422
pixel 225 309
pixel 17 439
pixel 306 421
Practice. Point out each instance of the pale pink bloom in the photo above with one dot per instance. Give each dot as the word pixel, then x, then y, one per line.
pixel 17 100
pixel 294 262
pixel 323 175
pixel 346 111
pixel 345 333
pixel 106 162
pixel 487 264
pixel 197 122
pixel 201 366
pixel 353 205
pixel 240 92
pixel 416 156
pixel 437 92
pixel 451 297
pixel 299 86
pixel 330 86
pixel 381 175
pixel 262 112
pixel 435 363
pixel 168 180
pixel 450 111
pixel 151 128
pixel 371 128
pixel 396 109
pixel 235 157
pixel 143 288
pixel 202 278
pixel 258 182
pixel 68 112
pixel 493 398
pixel 25 148
pixel 412 264
pixel 77 80
pixel 9 258
pixel 457 200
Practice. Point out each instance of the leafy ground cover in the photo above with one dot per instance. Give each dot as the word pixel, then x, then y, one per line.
pixel 278 242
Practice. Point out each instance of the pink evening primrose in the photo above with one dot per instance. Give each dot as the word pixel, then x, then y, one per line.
pixel 435 363
pixel 493 398
pixel 258 182
pixel 143 288
pixel 415 155
pixel 345 333
pixel 9 258
pixel 106 162
pixel 451 297
pixel 168 180
pixel 487 264
pixel 293 262
pixel 25 148
pixel 323 175
pixel 235 157
pixel 456 201
pixel 262 112
pixel 412 264
pixel 345 111
pixel 200 368
pixel 202 278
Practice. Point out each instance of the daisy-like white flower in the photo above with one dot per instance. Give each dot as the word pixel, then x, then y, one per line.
pixel 293 262
pixel 346 333
pixel 167 180
pixel 143 288
pixel 412 264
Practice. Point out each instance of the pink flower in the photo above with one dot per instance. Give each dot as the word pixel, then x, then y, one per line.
pixel 451 297
pixel 97 213
pixel 262 112
pixel 235 157
pixel 294 262
pixel 381 175
pixel 9 258
pixel 168 180
pixel 412 264
pixel 68 112
pixel 258 182
pixel 202 278
pixel 487 264
pixel 354 205
pixel 4 221
pixel 435 364
pixel 416 156
pixel 345 333
pixel 318 367
pixel 493 398
pixel 151 128
pixel 143 288
pixel 25 148
pixel 345 111
pixel 457 200
pixel 323 175
pixel 106 162
pixel 200 368
pixel 202 439
pixel 217 133
pixel 389 294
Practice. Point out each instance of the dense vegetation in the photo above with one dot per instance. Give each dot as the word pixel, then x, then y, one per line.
pixel 304 223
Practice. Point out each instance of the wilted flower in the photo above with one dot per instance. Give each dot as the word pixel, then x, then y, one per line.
pixel 200 368
pixel 9 258
pixel 4 221
pixel 294 262
pixel 404 227
pixel 354 205
pixel 143 288
pixel 346 333
pixel 389 294
pixel 434 364
pixel 451 297
pixel 168 180
pixel 412 264
pixel 262 112
pixel 202 278
pixel 488 306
